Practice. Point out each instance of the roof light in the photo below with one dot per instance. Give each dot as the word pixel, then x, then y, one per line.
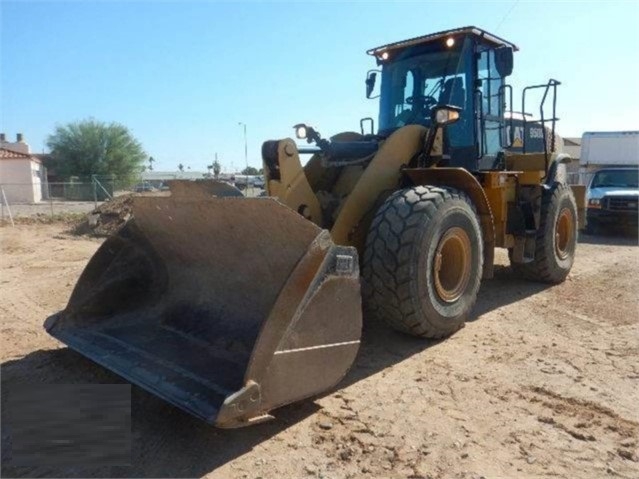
pixel 450 41
pixel 384 56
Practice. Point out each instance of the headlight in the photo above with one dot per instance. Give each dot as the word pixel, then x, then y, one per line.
pixel 446 115
pixel 594 203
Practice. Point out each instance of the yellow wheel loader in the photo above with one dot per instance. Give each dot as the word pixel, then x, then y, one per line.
pixel 229 307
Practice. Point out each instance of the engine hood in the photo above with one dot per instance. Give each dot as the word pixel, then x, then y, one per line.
pixel 598 193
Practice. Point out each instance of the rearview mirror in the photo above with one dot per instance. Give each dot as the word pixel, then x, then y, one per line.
pixel 370 83
pixel 504 61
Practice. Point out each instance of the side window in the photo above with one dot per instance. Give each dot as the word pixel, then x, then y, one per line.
pixel 409 84
pixel 403 88
pixel 491 109
pixel 490 83
pixel 407 87
pixel 454 91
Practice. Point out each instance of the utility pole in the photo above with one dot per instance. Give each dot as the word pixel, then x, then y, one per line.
pixel 245 143
pixel 245 153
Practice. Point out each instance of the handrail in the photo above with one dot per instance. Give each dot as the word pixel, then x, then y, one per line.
pixel 506 138
pixel 480 129
pixel 552 83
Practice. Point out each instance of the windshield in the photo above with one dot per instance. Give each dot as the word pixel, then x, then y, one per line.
pixel 414 84
pixel 620 178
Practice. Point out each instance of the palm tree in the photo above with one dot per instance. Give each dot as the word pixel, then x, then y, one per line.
pixel 217 168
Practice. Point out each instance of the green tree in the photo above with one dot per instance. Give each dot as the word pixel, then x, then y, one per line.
pixel 250 170
pixel 151 161
pixel 181 167
pixel 90 147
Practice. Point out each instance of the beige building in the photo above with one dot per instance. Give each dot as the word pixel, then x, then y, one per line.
pixel 572 146
pixel 21 174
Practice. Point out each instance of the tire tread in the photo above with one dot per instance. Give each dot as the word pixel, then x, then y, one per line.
pixel 386 270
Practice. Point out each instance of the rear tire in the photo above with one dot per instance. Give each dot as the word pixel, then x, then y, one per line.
pixel 556 239
pixel 423 261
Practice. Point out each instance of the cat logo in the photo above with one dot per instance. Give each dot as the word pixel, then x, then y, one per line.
pixel 518 137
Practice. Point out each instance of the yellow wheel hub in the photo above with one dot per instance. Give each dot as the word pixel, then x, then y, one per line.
pixel 452 264
pixel 563 233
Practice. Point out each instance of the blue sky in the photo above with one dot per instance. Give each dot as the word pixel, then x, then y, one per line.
pixel 182 75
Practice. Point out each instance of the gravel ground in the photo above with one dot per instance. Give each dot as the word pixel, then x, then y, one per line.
pixel 543 382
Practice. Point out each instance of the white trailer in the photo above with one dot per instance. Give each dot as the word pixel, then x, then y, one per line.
pixel 607 149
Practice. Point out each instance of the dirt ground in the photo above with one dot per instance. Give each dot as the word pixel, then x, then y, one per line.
pixel 47 208
pixel 544 382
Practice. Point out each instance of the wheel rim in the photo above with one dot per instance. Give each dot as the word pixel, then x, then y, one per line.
pixel 563 233
pixel 451 265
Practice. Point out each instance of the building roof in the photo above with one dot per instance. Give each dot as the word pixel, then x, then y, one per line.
pixel 574 141
pixel 172 175
pixel 478 32
pixel 7 154
pixel 44 157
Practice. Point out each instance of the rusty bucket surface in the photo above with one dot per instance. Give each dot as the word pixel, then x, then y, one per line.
pixel 225 307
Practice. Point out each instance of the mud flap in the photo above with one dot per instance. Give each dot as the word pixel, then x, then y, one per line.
pixel 225 307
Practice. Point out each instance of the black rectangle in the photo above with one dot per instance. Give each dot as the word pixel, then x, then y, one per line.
pixel 69 424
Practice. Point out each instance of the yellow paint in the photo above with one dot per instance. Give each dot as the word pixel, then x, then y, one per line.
pixel 383 173
pixel 293 189
pixel 361 187
pixel 500 188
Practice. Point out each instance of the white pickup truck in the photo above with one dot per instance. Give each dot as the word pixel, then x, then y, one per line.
pixel 609 166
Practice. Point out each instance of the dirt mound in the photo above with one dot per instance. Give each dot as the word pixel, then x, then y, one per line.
pixel 107 218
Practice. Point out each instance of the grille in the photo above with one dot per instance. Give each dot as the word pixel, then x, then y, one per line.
pixel 623 203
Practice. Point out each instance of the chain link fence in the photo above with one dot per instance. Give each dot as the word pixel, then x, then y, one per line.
pixel 75 197
pixel 57 199
pixel 580 178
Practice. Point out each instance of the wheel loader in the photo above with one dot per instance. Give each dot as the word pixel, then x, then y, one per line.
pixel 229 307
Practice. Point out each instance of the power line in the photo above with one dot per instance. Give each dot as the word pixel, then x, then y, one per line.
pixel 506 15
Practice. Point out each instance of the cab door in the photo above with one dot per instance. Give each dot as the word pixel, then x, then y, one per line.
pixel 489 107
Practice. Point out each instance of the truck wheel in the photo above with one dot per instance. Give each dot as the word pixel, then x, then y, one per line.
pixel 556 238
pixel 423 261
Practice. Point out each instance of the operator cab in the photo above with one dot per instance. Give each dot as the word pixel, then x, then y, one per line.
pixel 465 68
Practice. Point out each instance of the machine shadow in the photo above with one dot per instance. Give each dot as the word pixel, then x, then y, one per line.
pixel 613 237
pixel 382 347
pixel 170 443
pixel 166 442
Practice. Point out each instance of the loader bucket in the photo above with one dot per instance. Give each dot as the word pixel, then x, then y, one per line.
pixel 226 307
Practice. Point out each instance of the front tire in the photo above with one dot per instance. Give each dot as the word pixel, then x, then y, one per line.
pixel 556 239
pixel 423 261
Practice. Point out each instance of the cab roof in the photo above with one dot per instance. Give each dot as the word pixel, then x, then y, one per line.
pixel 477 32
